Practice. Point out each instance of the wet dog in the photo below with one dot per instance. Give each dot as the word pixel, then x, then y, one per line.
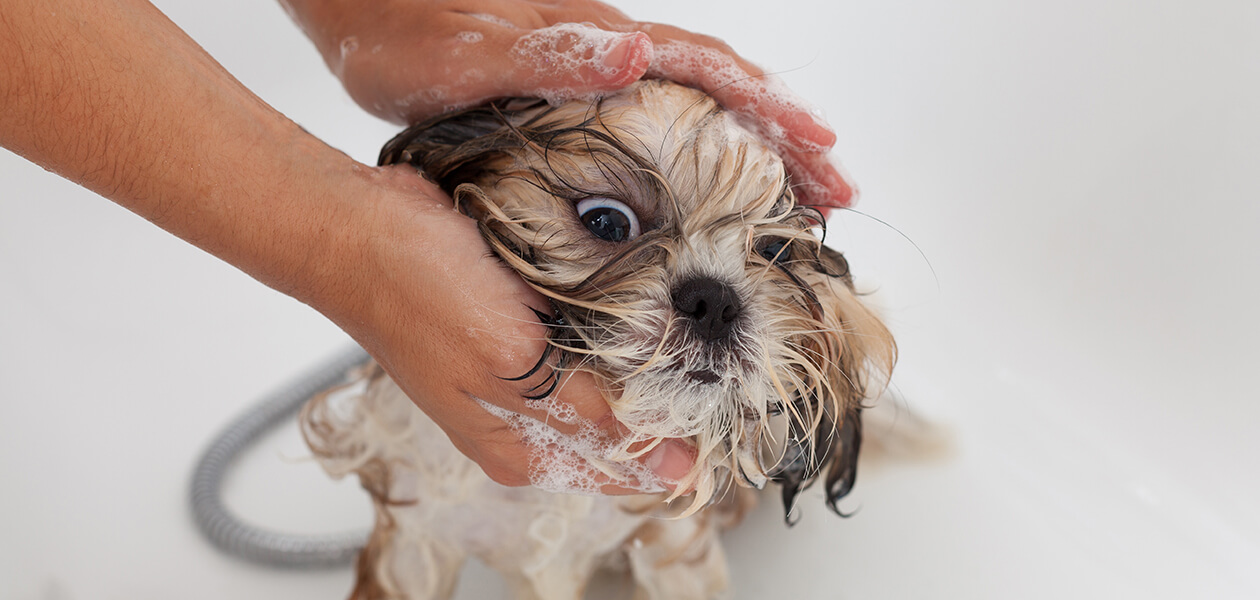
pixel 687 280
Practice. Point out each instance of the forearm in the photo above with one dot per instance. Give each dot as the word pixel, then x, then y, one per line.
pixel 112 95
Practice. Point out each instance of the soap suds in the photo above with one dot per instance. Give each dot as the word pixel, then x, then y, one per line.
pixel 470 37
pixel 436 95
pixel 751 99
pixel 571 52
pixel 765 94
pixel 564 463
pixel 560 411
pixel 349 46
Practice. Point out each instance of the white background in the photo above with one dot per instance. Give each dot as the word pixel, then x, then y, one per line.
pixel 1079 174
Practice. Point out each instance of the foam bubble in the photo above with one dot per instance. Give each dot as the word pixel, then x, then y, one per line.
pixel 436 96
pixel 570 464
pixel 569 52
pixel 424 96
pixel 560 411
pixel 752 97
pixel 765 94
pixel 349 46
pixel 470 37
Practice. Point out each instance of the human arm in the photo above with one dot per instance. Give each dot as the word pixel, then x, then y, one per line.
pixel 114 96
pixel 407 60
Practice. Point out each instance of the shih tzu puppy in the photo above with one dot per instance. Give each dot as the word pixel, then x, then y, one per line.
pixel 686 279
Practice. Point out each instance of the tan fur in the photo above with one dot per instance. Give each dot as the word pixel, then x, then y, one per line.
pixel 711 198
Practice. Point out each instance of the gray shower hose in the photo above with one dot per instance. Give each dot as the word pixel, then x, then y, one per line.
pixel 256 544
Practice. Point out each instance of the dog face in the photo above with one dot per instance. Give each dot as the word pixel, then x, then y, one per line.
pixel 683 274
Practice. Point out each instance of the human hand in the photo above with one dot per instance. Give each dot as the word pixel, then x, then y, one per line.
pixel 407 60
pixel 451 324
pixel 379 251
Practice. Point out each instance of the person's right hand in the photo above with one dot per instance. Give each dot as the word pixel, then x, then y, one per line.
pixel 408 60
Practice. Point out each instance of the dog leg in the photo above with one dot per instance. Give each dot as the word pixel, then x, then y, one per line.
pixel 402 565
pixel 678 560
pixel 554 584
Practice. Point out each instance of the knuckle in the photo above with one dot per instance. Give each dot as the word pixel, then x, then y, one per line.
pixel 514 356
pixel 724 48
pixel 514 362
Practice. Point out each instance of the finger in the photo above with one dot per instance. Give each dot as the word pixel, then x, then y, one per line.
pixel 580 410
pixel 709 64
pixel 566 401
pixel 584 11
pixel 818 181
pixel 666 461
pixel 788 124
pixel 571 60
pixel 669 464
pixel 535 377
pixel 559 62
pixel 586 459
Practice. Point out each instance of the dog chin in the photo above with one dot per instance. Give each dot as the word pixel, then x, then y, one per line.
pixel 702 377
pixel 684 402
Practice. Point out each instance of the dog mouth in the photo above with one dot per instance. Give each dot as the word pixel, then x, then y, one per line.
pixel 704 376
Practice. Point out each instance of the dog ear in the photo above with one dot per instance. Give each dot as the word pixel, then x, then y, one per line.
pixel 866 357
pixel 835 264
pixel 454 148
pixel 806 453
pixel 842 472
pixel 859 353
pixel 868 346
pixel 833 449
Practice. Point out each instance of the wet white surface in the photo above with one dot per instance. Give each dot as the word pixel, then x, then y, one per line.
pixel 1080 176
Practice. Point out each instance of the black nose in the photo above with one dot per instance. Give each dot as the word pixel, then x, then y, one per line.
pixel 710 306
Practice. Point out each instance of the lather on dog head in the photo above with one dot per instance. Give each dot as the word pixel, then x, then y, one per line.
pixel 682 271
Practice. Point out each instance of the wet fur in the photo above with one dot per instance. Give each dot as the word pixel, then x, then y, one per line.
pixel 713 201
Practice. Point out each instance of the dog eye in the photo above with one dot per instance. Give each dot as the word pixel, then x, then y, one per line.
pixel 775 250
pixel 608 219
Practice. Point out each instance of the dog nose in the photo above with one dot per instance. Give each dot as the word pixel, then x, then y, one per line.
pixel 711 306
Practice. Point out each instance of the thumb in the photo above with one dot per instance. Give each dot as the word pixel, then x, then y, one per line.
pixel 570 60
pixel 668 464
pixel 671 460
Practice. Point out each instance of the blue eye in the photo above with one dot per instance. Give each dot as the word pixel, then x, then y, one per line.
pixel 608 219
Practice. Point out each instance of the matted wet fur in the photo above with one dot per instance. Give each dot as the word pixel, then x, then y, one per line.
pixel 720 318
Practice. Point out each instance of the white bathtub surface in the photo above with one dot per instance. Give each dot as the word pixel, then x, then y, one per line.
pixel 1079 176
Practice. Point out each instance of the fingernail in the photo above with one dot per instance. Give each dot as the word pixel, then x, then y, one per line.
pixel 811 133
pixel 671 460
pixel 619 53
pixel 630 56
pixel 826 127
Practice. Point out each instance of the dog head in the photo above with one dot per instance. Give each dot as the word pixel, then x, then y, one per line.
pixel 683 274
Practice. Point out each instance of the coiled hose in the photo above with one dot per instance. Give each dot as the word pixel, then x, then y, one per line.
pixel 252 543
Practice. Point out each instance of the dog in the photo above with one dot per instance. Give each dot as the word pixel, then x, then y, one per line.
pixel 686 278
